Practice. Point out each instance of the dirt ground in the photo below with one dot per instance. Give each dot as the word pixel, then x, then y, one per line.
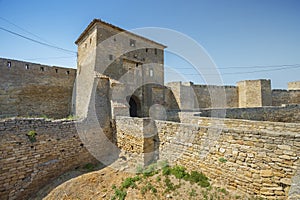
pixel 100 185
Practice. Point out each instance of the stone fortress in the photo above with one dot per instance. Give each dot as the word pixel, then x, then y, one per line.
pixel 119 84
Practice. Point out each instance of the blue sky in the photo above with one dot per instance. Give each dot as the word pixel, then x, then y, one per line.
pixel 234 33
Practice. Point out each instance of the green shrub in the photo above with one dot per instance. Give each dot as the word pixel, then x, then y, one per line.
pixel 143 190
pixel 128 182
pixel 136 178
pixel 204 183
pixel 148 187
pixel 31 135
pixel 170 186
pixel 119 194
pixel 166 170
pixel 196 177
pixel 179 172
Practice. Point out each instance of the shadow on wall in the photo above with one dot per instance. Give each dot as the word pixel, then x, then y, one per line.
pixel 151 141
pixel 172 106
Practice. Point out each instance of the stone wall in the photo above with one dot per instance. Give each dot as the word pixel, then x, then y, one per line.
pixel 255 162
pixel 294 96
pixel 192 118
pixel 29 89
pixel 27 166
pixel 288 113
pixel 204 94
pixel 250 93
pixel 280 97
pixel 143 139
pixel 186 95
pixel 294 85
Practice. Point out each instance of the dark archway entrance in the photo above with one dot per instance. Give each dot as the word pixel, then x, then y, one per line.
pixel 134 107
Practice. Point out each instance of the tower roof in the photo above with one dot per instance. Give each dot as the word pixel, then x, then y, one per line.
pixel 99 21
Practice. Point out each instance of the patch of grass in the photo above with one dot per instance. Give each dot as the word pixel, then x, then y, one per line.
pixel 148 187
pixel 199 178
pixel 180 173
pixel 193 193
pixel 166 170
pixel 130 182
pixel 170 186
pixel 119 194
pixel 205 194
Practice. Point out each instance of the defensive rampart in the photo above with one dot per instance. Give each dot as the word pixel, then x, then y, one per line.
pixel 29 89
pixel 27 163
pixel 254 161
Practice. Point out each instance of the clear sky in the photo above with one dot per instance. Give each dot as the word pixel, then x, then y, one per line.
pixel 236 34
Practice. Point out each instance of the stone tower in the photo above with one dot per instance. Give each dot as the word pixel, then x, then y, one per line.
pixel 254 93
pixel 132 64
pixel 294 85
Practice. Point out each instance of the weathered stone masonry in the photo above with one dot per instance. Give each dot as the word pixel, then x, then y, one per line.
pixel 29 89
pixel 288 113
pixel 259 162
pixel 25 166
pixel 258 158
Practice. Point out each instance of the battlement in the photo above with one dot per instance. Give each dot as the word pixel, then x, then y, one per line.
pixel 31 89
pixel 12 65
